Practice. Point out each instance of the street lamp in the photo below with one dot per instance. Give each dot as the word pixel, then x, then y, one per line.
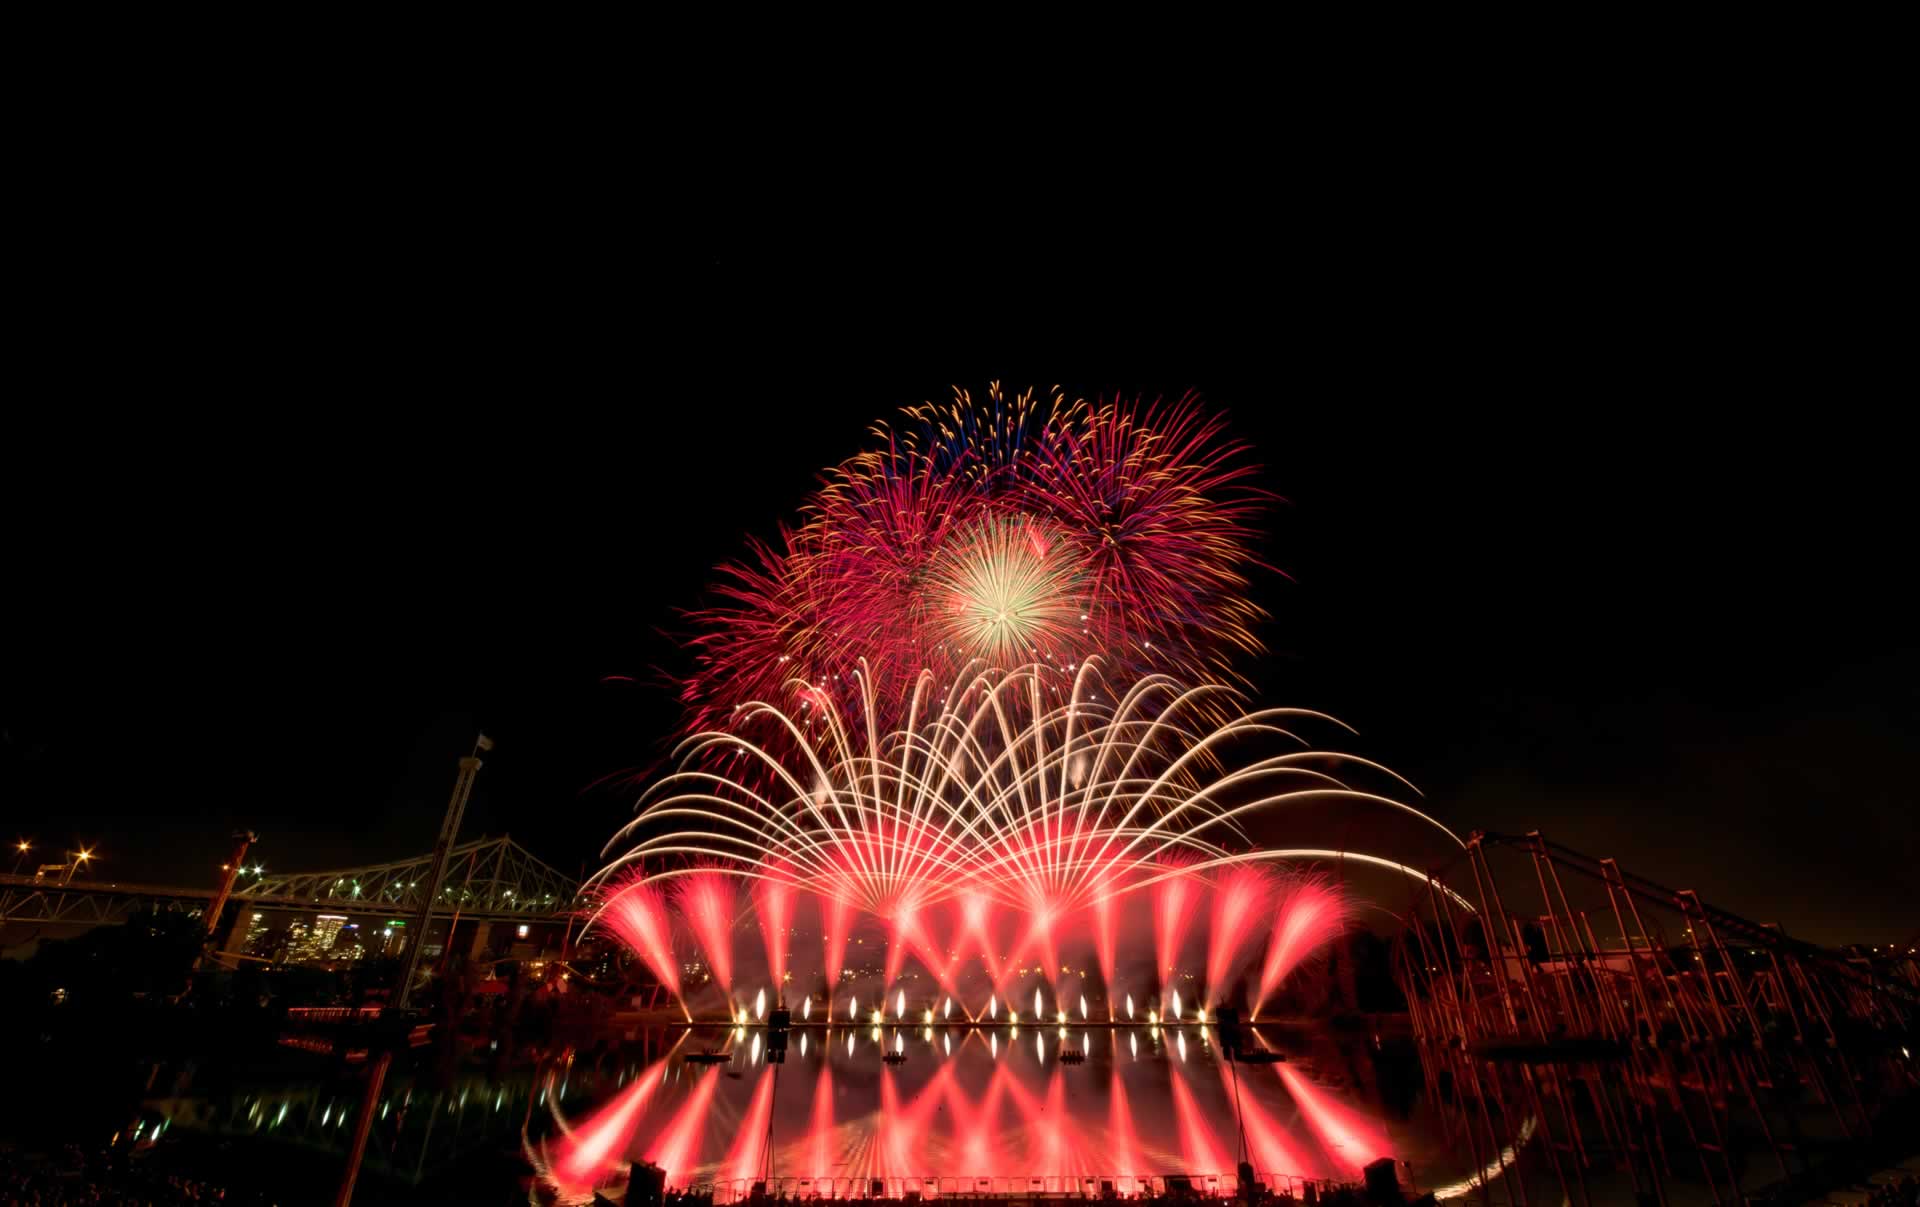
pixel 23 846
pixel 79 857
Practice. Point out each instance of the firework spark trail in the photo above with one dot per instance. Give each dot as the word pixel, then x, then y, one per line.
pixel 589 1152
pixel 1239 902
pixel 836 922
pixel 677 1148
pixel 821 1152
pixel 1004 800
pixel 1199 1145
pixel 976 936
pixel 951 823
pixel 1270 1146
pixel 706 900
pixel 1173 901
pixel 1123 1138
pixel 1106 936
pixel 976 1125
pixel 1056 1146
pixel 637 914
pixel 773 898
pixel 1311 913
pixel 1350 1139
pixel 904 1128
pixel 747 1156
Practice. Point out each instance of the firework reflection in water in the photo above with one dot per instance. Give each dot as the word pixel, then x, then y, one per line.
pixel 964 1105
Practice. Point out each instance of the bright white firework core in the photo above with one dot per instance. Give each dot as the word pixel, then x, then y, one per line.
pixel 1006 594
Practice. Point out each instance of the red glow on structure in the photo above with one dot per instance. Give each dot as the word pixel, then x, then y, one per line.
pixel 1311 914
pixel 706 899
pixel 775 900
pixel 1239 902
pixel 747 1156
pixel 591 1150
pixel 1173 901
pixel 637 915
pixel 1199 1147
pixel 677 1148
pixel 836 921
pixel 1349 1137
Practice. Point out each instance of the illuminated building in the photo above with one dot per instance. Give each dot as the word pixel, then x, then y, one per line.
pixel 308 943
pixel 326 929
pixel 296 945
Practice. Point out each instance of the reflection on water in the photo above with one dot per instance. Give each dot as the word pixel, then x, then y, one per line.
pixel 424 1126
pixel 944 1110
pixel 934 1108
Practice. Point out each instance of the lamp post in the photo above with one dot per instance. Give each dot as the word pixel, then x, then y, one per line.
pixel 403 989
pixel 79 857
pixel 235 864
pixel 23 846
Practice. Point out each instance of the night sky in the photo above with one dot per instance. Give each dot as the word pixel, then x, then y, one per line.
pixel 1632 574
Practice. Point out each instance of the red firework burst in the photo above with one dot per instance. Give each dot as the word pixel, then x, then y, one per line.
pixel 989 533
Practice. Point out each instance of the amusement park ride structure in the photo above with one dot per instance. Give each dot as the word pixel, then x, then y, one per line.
pixel 1689 1034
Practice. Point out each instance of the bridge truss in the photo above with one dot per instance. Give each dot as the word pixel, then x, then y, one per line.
pixel 487 879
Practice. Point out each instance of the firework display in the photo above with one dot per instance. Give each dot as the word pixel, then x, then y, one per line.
pixel 1002 803
pixel 993 533
pixel 965 750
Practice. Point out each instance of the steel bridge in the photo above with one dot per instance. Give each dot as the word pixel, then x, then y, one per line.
pixel 487 880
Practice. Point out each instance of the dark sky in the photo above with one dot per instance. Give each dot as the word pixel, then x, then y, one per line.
pixel 1606 544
